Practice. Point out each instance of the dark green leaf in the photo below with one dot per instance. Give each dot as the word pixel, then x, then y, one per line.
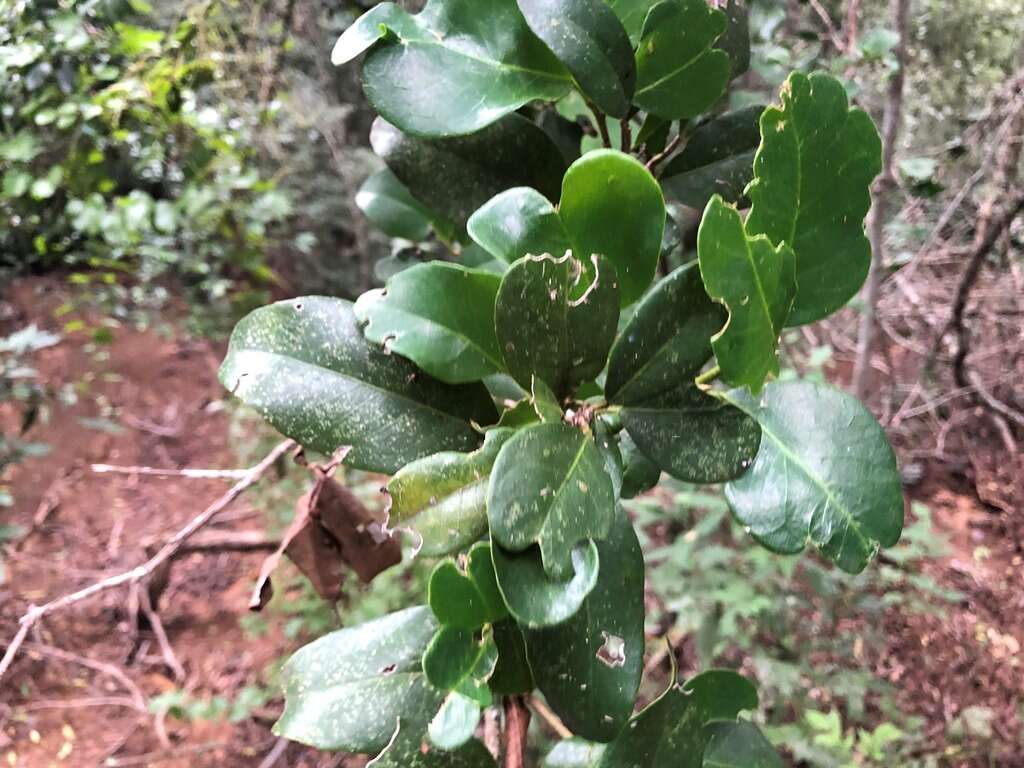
pixel 639 474
pixel 442 498
pixel 612 206
pixel 534 599
pixel 632 14
pixel 756 281
pixel 518 222
pixel 549 487
pixel 735 41
pixel 513 152
pixel 825 472
pixel 410 751
pixel 439 315
pixel 573 753
pixel 304 365
pixel 544 402
pixel 512 673
pixel 672 732
pixel 589 667
pixel 348 689
pixel 467 600
pixel 811 190
pixel 590 41
pixel 718 160
pixel 666 342
pixel 566 134
pixel 679 73
pixel 387 203
pixel 450 657
pixel 693 435
pixel 443 72
pixel 739 745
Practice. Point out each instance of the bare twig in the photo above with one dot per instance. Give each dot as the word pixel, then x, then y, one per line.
pixel 517 720
pixel 626 135
pixel 37 612
pixel 192 474
pixel 550 718
pixel 275 754
pixel 166 649
pixel 993 402
pixel 659 158
pixel 830 27
pixel 602 124
pixel 107 669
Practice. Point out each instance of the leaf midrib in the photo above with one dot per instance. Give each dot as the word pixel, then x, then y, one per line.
pixel 494 63
pixel 433 322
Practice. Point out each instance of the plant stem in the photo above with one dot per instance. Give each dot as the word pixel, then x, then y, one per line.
pixel 602 124
pixel 708 376
pixel 627 135
pixel 517 721
pixel 653 163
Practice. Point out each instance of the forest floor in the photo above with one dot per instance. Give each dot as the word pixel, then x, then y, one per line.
pixel 78 693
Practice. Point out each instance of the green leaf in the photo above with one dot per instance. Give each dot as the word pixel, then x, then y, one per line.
pixel 455 722
pixel 22 147
pixel 304 365
pixel 590 41
pixel 639 474
pixel 825 472
pixel 451 656
pixel 373 26
pixel 16 183
pixel 549 487
pixel 544 402
pixel 735 41
pixel 589 667
pixel 718 159
pixel 443 72
pixel 387 203
pixel 811 189
pixel 739 745
pixel 573 753
pixel 555 320
pixel 347 690
pixel 513 152
pixel 612 206
pixel 534 599
pixel 671 732
pixel 666 342
pixel 442 498
pixel 467 600
pixel 518 222
pixel 632 14
pixel 409 751
pixel 756 281
pixel 439 315
pixel 679 74
pixel 512 673
pixel 693 435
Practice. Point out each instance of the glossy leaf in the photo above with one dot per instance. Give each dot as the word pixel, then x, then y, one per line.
pixel 589 667
pixel 455 721
pixel 825 473
pixel 591 42
pixel 573 753
pixel 735 41
pixel 388 204
pixel 467 599
pixel 757 282
pixel 612 206
pixel 679 72
pixel 666 342
pixel 518 222
pixel 671 732
pixel 439 315
pixel 347 690
pixel 544 402
pixel 813 174
pixel 639 474
pixel 739 745
pixel 549 487
pixel 442 498
pixel 444 73
pixel 304 365
pixel 512 152
pixel 632 14
pixel 451 656
pixel 693 435
pixel 718 160
pixel 536 600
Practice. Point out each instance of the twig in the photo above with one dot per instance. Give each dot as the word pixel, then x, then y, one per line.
pixel 194 474
pixel 166 649
pixel 992 402
pixel 830 27
pixel 602 124
pixel 274 754
pixel 653 163
pixel 627 135
pixel 36 612
pixel 97 701
pixel 107 669
pixel 517 721
pixel 550 718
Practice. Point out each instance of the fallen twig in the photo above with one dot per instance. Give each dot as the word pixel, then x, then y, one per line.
pixel 194 474
pixel 99 666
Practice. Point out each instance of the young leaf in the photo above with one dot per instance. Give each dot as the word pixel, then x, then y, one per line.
pixel 825 472
pixel 444 73
pixel 590 41
pixel 535 600
pixel 811 190
pixel 467 600
pixel 347 690
pixel 666 342
pixel 693 435
pixel 739 745
pixel 755 280
pixel 612 206
pixel 304 365
pixel 439 315
pixel 718 160
pixel 512 152
pixel 455 721
pixel 549 487
pixel 443 498
pixel 679 73
pixel 518 222
pixel 589 667
pixel 450 657
pixel 387 203
pixel 671 732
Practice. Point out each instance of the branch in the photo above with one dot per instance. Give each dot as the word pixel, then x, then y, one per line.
pixel 517 720
pixel 653 163
pixel 37 612
pixel 193 474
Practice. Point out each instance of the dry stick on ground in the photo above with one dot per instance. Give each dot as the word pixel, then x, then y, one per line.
pixel 36 612
pixel 192 474
pixel 107 669
pixel 885 185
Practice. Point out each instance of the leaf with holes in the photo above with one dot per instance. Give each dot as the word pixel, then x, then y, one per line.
pixel 825 473
pixel 679 72
pixel 549 487
pixel 304 365
pixel 467 599
pixel 535 600
pixel 756 281
pixel 589 667
pixel 811 190
pixel 439 315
